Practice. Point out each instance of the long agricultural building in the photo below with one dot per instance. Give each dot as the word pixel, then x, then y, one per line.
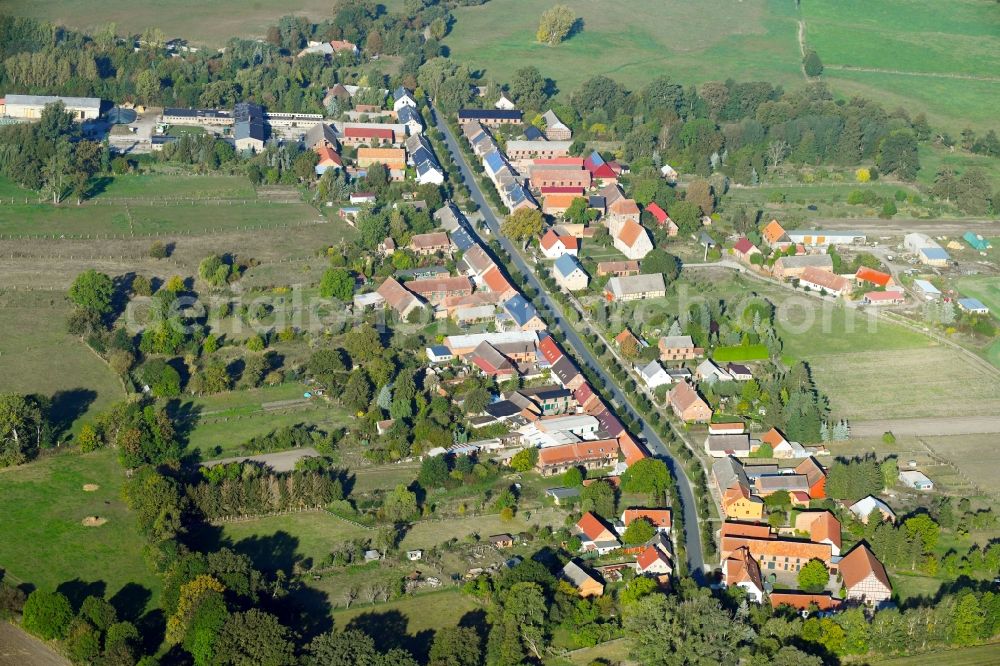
pixel 30 107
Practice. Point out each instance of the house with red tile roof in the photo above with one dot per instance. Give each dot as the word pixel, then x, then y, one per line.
pixel 590 454
pixel 600 169
pixel 822 527
pixel 821 280
pixel 660 518
pixel 815 475
pixel 743 249
pixel 884 298
pixel 617 268
pixel 368 136
pixel 872 276
pixel 741 570
pixel 632 240
pixel 585 397
pixel 865 577
pixel 662 219
pixel 550 349
pixel 595 535
pixel 436 290
pixel 653 562
pixel 398 297
pixel 554 246
pixel 771 552
pixel 328 159
pixel 803 601
pixel 625 336
pixel 688 405
pixel 631 449
pixel 494 281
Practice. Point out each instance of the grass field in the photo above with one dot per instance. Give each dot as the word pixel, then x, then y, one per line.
pixel 977 456
pixel 757 40
pixel 986 289
pixel 425 534
pixel 200 22
pixel 899 39
pixel 10 189
pixel 144 219
pixel 229 419
pixel 277 542
pixel 634 41
pixel 165 186
pixel 45 542
pixel 422 613
pixel 38 356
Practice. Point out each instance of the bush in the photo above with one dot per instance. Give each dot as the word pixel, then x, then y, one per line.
pixel 47 614
pixel 163 380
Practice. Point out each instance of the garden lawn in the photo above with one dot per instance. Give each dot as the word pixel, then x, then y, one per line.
pixel 37 355
pixel 45 543
pixel 986 289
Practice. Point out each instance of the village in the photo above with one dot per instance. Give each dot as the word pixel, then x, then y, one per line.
pixel 542 362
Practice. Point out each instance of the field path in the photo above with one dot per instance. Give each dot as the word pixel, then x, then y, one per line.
pixel 802 48
pixel 928 427
pixel 19 649
pixel 936 75
pixel 282 461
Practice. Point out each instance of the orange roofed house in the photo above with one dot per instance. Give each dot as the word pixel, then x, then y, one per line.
pixel 741 570
pixel 774 235
pixel 393 158
pixel 818 279
pixel 815 475
pixel 872 276
pixel 593 454
pixel 654 562
pixel 688 405
pixel 770 552
pixel 586 583
pixel 865 577
pixel 660 518
pixel 822 527
pixel 595 536
pixel 804 601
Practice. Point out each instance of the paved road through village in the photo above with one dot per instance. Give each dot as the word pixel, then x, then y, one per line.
pixel 692 537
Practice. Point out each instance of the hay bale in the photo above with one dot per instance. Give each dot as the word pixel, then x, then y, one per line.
pixel 93 521
pixel 90 487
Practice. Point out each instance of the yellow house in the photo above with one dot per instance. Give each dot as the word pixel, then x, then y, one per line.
pixel 740 505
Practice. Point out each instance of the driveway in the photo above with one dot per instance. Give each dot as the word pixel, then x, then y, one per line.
pixel 692 536
pixel 17 648
pixel 282 461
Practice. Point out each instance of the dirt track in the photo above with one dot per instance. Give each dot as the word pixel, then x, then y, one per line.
pixel 282 461
pixel 19 649
pixel 929 427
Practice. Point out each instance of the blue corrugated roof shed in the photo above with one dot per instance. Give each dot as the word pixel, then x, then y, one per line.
pixel 935 253
pixel 972 305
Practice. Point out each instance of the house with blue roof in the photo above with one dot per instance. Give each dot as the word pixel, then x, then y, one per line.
pixel 494 162
pixel 401 98
pixel 972 305
pixel 462 239
pixel 409 116
pixel 569 274
pixel 519 312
